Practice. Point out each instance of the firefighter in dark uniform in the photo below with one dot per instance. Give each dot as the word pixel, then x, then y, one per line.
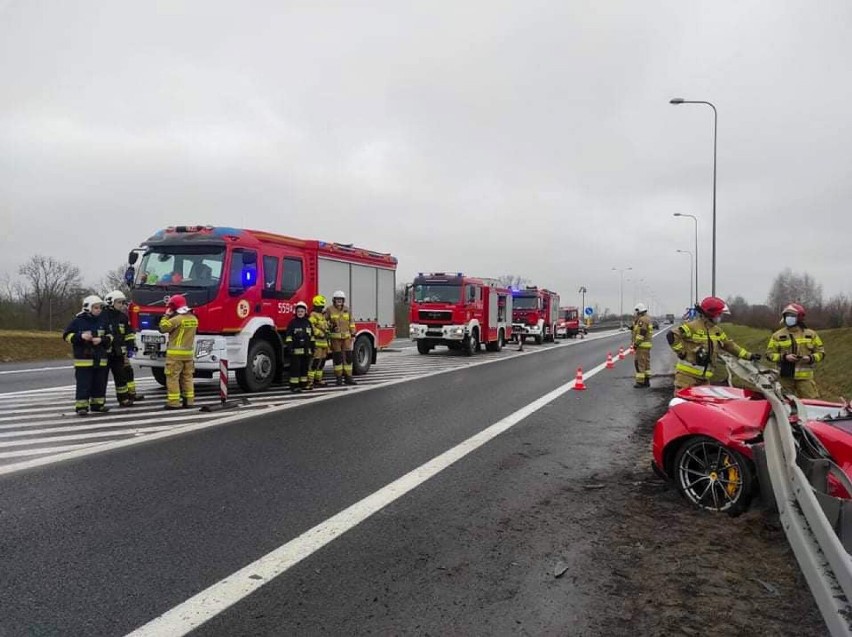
pixel 796 349
pixel 89 336
pixel 342 334
pixel 123 347
pixel 642 334
pixel 298 339
pixel 697 344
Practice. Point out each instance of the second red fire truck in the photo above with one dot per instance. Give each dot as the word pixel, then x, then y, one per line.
pixel 460 312
pixel 535 312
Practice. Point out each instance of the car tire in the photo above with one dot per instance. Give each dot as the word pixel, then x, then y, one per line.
pixel 712 476
pixel 159 374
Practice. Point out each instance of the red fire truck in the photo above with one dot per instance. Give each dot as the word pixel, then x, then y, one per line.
pixel 568 325
pixel 535 312
pixel 460 312
pixel 243 286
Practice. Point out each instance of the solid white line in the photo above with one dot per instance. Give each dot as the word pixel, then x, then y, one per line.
pixel 34 452
pixel 181 430
pixel 202 607
pixel 34 369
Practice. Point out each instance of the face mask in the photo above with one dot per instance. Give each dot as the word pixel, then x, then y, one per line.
pixel 790 321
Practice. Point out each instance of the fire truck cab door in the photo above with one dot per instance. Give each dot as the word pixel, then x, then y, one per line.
pixel 283 286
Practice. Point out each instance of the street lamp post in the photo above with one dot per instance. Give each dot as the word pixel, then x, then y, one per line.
pixel 691 296
pixel 621 305
pixel 582 312
pixel 695 219
pixel 680 100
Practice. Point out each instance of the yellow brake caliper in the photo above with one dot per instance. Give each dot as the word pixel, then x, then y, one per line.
pixel 733 477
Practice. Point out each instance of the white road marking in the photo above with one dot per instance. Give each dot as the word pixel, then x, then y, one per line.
pixel 212 601
pixel 34 369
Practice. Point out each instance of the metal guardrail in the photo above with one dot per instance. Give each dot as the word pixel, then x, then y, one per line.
pixel 824 562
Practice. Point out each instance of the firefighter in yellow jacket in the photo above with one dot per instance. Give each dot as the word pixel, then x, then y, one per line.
pixel 320 331
pixel 697 344
pixel 181 325
pixel 796 349
pixel 642 334
pixel 341 334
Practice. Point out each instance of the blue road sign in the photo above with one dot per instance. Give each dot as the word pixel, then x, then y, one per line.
pixel 589 311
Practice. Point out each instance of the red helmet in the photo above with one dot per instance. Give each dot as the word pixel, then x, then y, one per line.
pixel 176 302
pixel 713 306
pixel 794 308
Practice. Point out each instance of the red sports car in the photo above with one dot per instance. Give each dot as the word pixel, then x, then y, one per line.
pixel 708 440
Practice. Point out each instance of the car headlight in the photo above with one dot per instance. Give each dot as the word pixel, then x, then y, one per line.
pixel 204 347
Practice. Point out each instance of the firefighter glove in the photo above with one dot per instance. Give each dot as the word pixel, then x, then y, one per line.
pixel 754 357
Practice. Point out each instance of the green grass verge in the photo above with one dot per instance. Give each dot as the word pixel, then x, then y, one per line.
pixel 833 376
pixel 20 345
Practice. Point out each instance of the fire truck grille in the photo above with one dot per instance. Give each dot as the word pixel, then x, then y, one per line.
pixel 435 315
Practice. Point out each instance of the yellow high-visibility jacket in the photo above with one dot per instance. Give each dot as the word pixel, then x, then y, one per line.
pixel 643 332
pixel 340 323
pixel 689 338
pixel 181 329
pixel 804 342
pixel 320 325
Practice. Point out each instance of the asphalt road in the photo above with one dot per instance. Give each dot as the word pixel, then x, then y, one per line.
pixel 104 544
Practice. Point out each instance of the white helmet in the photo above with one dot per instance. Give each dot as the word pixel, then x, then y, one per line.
pixel 301 304
pixel 640 307
pixel 90 301
pixel 339 294
pixel 112 297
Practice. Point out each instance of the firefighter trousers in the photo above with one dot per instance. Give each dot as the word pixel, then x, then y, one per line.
pixel 317 364
pixel 803 388
pixel 120 370
pixel 91 386
pixel 179 382
pixel 642 364
pixel 682 381
pixel 299 364
pixel 341 356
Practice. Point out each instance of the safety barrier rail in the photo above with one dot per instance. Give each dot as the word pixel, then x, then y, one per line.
pixel 824 561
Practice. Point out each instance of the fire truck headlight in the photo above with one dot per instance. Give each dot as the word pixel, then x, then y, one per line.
pixel 203 347
pixel 457 331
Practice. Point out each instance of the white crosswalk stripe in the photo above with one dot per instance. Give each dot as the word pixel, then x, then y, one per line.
pixel 42 423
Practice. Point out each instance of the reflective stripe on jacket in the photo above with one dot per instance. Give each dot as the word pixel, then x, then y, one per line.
pixel 181 329
pixel 688 338
pixel 801 342
pixel 340 323
pixel 643 332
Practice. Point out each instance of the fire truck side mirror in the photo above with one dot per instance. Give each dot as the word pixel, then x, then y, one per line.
pixel 133 257
pixel 407 296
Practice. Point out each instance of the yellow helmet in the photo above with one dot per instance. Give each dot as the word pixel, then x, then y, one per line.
pixel 319 300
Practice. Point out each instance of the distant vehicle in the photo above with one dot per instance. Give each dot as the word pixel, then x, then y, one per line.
pixel 535 312
pixel 655 323
pixel 243 286
pixel 460 312
pixel 569 324
pixel 670 319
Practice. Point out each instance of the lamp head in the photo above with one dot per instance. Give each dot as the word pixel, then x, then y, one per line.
pixel 676 100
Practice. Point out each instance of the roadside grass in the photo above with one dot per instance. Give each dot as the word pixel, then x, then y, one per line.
pixel 22 345
pixel 833 376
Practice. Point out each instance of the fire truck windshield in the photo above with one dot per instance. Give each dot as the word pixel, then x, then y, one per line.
pixel 183 266
pixel 525 303
pixel 568 315
pixel 437 293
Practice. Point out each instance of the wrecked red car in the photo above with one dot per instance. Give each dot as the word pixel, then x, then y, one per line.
pixel 709 443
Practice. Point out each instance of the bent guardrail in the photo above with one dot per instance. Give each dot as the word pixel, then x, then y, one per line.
pixel 824 561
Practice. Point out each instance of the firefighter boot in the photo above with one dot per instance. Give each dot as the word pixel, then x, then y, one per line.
pixel 338 381
pixel 349 380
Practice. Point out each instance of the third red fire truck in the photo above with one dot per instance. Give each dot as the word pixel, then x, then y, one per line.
pixel 568 325
pixel 535 312
pixel 460 312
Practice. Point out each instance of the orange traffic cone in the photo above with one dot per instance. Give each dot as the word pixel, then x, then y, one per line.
pixel 578 380
pixel 609 363
pixel 621 353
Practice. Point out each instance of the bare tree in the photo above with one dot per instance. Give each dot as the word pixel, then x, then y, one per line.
pixel 113 280
pixel 513 281
pixel 50 288
pixel 789 287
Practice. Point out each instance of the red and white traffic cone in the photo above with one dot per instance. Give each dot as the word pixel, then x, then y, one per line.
pixel 578 380
pixel 621 353
pixel 609 362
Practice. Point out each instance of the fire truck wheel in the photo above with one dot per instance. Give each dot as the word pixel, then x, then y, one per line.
pixel 470 345
pixel 539 339
pixel 362 355
pixel 259 371
pixel 159 374
pixel 423 347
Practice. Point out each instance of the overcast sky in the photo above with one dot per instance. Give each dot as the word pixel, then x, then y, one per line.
pixel 532 138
